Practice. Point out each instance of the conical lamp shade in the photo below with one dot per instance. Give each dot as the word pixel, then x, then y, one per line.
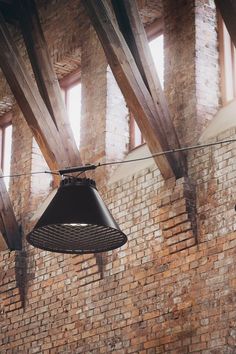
pixel 77 221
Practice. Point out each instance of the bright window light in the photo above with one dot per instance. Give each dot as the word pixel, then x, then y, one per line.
pixel 73 105
pixel 157 51
pixel 7 142
pixel 156 47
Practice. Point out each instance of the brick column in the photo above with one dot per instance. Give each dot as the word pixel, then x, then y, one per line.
pixel 191 65
pixel 28 191
pixel 104 120
pixel 20 163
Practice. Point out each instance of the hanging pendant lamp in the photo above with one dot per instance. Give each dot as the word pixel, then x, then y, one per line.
pixel 77 221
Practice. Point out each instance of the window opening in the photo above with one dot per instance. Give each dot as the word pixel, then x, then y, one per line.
pixel 227 63
pixel 157 51
pixel 71 93
pixel 136 137
pixel 73 105
pixel 6 145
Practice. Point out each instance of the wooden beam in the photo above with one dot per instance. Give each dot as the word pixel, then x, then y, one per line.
pixel 31 103
pixel 131 26
pixel 131 83
pixel 8 10
pixel 8 224
pixel 227 9
pixel 3 244
pixel 9 2
pixel 45 75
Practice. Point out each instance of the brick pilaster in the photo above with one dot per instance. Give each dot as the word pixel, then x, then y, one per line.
pixel 191 65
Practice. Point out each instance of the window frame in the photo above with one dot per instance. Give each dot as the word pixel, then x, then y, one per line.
pixel 68 82
pixel 132 144
pixel 5 121
pixel 227 60
pixel 152 31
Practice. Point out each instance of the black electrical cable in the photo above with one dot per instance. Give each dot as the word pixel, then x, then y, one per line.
pixel 170 152
pixel 88 167
pixel 31 173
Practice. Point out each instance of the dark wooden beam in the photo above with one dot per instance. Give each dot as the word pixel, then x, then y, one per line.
pixel 8 2
pixel 132 84
pixel 3 244
pixel 131 26
pixel 31 104
pixel 227 9
pixel 45 75
pixel 8 224
pixel 8 10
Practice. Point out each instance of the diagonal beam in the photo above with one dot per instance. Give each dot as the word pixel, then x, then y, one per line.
pixel 3 244
pixel 31 103
pixel 132 28
pixel 227 9
pixel 56 150
pixel 45 74
pixel 8 224
pixel 9 12
pixel 131 83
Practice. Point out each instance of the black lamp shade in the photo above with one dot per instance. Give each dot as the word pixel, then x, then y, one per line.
pixel 77 221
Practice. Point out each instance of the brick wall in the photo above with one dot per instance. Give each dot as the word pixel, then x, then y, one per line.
pixel 26 191
pixel 142 298
pixel 20 164
pixel 94 90
pixel 104 112
pixel 172 287
pixel 191 65
pixel 214 172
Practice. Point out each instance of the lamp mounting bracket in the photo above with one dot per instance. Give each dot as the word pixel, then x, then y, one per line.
pixel 77 169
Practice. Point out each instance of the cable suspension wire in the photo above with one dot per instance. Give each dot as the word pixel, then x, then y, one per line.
pixel 31 173
pixel 88 167
pixel 170 152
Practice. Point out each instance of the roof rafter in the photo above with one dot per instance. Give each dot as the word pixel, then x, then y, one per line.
pixel 56 141
pixel 8 10
pixel 134 33
pixel 132 85
pixel 48 137
pixel 45 75
pixel 8 224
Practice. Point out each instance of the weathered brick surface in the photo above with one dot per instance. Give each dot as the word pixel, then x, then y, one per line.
pixel 147 300
pixel 104 113
pixel 172 288
pixel 20 163
pixel 191 65
pixel 214 171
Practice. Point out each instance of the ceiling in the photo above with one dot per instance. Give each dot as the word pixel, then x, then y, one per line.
pixel 70 20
